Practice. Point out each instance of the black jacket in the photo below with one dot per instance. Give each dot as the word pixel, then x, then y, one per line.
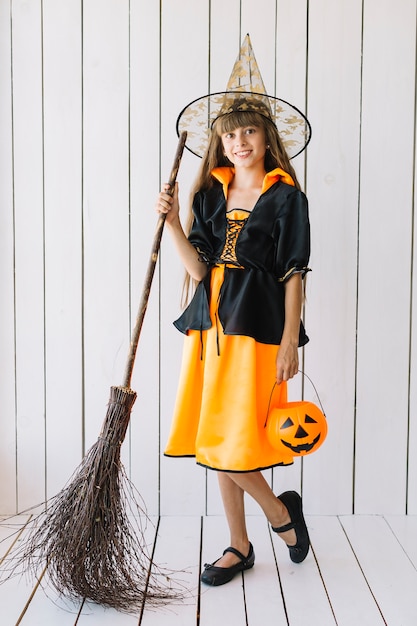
pixel 273 244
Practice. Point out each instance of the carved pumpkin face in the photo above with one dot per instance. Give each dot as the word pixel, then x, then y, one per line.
pixel 297 428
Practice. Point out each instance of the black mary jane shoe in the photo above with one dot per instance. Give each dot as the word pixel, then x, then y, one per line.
pixel 292 501
pixel 215 576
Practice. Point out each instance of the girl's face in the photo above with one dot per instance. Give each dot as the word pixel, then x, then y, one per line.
pixel 245 146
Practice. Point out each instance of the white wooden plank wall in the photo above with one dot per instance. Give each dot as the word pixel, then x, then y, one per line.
pixel 89 95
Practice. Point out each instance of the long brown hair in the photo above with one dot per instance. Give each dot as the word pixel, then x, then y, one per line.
pixel 275 156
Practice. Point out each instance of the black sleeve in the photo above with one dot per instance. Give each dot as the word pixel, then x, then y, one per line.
pixel 200 234
pixel 293 245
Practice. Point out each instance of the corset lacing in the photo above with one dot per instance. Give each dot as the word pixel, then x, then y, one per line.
pixel 234 227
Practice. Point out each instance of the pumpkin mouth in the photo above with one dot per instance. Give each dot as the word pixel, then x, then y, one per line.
pixel 303 447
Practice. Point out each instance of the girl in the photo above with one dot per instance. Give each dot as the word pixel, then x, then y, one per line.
pixel 247 248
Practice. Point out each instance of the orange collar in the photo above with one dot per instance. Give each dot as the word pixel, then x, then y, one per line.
pixel 225 176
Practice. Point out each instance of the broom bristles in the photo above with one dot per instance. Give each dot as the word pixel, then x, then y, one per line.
pixel 91 536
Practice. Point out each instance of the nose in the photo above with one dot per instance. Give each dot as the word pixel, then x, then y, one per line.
pixel 240 138
pixel 301 433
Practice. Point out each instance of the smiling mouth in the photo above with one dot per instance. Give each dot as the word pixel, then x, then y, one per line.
pixel 304 447
pixel 244 153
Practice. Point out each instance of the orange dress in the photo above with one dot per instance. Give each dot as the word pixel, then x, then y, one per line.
pixel 224 389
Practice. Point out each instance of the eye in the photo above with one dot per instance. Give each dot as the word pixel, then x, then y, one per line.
pixel 288 423
pixel 309 420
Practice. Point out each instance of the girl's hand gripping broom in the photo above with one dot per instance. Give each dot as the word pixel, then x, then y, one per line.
pixel 91 547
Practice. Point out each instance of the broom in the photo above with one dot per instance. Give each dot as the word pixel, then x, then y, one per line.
pixel 90 536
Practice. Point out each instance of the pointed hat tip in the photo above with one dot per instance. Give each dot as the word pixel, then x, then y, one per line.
pixel 246 75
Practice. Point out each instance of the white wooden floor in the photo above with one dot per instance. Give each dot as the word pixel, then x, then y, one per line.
pixel 362 571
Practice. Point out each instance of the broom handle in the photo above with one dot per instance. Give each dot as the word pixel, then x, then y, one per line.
pixel 151 268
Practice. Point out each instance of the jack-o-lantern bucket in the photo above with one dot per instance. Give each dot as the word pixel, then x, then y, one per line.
pixel 297 428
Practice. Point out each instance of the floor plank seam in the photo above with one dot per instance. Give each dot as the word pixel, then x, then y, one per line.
pixel 400 543
pixel 200 567
pixel 244 599
pixel 324 583
pixel 151 561
pixel 34 590
pixel 362 571
pixel 279 577
pixel 80 610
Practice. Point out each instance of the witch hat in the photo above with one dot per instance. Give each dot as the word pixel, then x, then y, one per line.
pixel 245 91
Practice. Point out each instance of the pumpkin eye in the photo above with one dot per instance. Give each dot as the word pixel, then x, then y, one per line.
pixel 309 420
pixel 288 423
